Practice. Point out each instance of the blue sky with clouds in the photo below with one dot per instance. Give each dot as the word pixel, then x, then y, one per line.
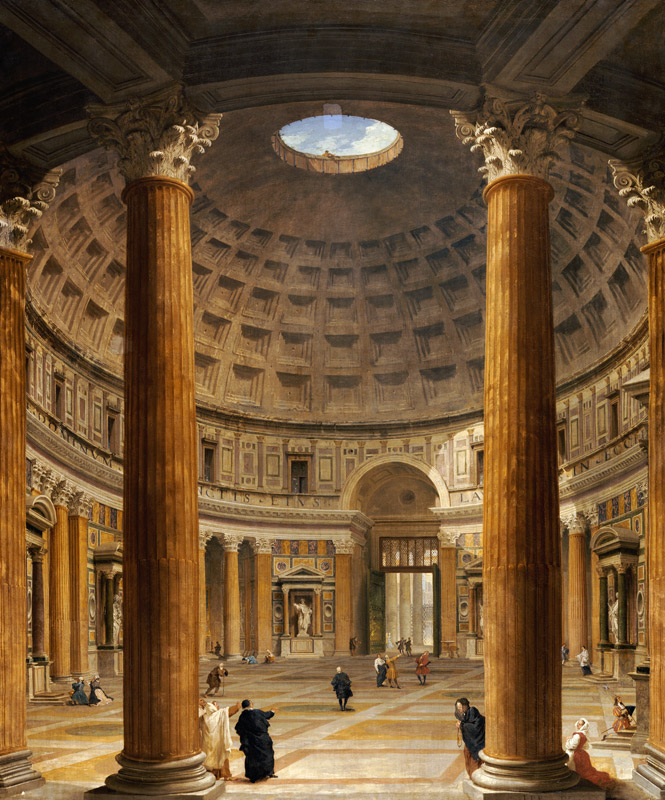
pixel 340 135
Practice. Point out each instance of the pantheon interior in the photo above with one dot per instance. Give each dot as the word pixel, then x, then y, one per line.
pixel 271 387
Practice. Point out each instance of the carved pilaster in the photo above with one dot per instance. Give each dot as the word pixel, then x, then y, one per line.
pixel 155 135
pixel 516 137
pixel 25 193
pixel 641 182
pixel 448 537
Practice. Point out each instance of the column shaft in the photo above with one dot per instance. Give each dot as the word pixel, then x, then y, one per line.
pixel 623 609
pixel 404 605
pixel 216 595
pixel 231 604
pixel 38 639
pixel 60 595
pixel 262 582
pixel 161 565
pixel 521 544
pixel 392 619
pixel 447 567
pixel 78 559
pixel 203 617
pixel 417 606
pixel 578 615
pixel 13 622
pixel 342 601
pixel 603 611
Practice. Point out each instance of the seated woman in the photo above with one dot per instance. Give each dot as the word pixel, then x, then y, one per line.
pixel 577 747
pixel 79 697
pixel 97 695
pixel 269 658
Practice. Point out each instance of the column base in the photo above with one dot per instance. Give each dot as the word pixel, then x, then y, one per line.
pixel 181 778
pixel 531 777
pixel 17 774
pixel 651 776
pixel 583 791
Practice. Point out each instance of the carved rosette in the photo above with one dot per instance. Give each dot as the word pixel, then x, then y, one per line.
pixel 642 183
pixel 344 547
pixel 154 135
pixel 516 137
pixel 25 193
pixel 262 544
pixel 79 505
pixel 231 542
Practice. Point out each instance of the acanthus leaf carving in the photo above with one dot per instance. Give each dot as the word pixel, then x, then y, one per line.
pixel 155 135
pixel 641 182
pixel 516 136
pixel 25 193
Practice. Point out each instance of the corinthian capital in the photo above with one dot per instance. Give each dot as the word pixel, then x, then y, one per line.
pixel 231 542
pixel 155 135
pixel 642 183
pixel 343 546
pixel 25 193
pixel 448 536
pixel 263 544
pixel 516 137
pixel 62 493
pixel 79 504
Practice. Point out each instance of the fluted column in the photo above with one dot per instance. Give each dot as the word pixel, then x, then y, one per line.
pixel 78 601
pixel 392 619
pixel 603 621
pixel 263 590
pixel 448 577
pixel 578 613
pixel 24 194
pixel 343 551
pixel 38 639
pixel 521 544
pixel 404 605
pixel 156 137
pixel 204 538
pixel 622 615
pixel 216 568
pixel 417 609
pixel 60 586
pixel 231 543
pixel 642 183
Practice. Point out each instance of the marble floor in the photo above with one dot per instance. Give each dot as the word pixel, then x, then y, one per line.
pixel 393 744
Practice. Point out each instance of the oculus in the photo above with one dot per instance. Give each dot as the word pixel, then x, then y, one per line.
pixel 337 144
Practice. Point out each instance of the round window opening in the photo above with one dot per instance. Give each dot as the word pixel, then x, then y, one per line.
pixel 337 144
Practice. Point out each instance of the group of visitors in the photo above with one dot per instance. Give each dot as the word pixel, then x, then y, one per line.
pixel 96 697
pixel 582 658
pixel 404 647
pixel 252 730
pixel 386 669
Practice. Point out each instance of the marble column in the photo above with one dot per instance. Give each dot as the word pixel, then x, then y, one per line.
pixel 343 552
pixel 622 609
pixel 108 609
pixel 156 136
pixel 24 195
pixel 316 618
pixel 578 613
pixel 231 542
pixel 642 183
pixel 604 623
pixel 404 605
pixel 521 542
pixel 78 600
pixel 263 591
pixel 448 576
pixel 392 619
pixel 417 609
pixel 38 638
pixel 204 538
pixel 60 587
pixel 216 567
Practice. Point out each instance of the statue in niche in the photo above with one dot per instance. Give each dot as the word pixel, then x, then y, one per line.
pixel 117 618
pixel 613 608
pixel 304 616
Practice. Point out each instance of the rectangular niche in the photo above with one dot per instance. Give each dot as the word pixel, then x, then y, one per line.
pixel 300 307
pixel 387 347
pixel 294 391
pixel 325 469
pixel 254 340
pixel 470 250
pixel 391 389
pixel 244 262
pixel 343 392
pixel 215 328
pixel 245 385
pixel 341 309
pixel 437 381
pixel 309 276
pixel 214 249
pixel 340 278
pixel 341 350
pixel 408 270
pixel 93 322
pixel 295 348
pixel 380 307
pixel 261 301
pixel 207 370
pixel 430 340
pixel 443 261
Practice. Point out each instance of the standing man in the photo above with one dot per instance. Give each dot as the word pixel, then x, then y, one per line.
pixel 583 661
pixel 353 645
pixel 215 733
pixel 381 669
pixel 255 742
pixel 471 726
pixel 215 678
pixel 341 683
pixel 392 672
pixel 564 654
pixel 422 668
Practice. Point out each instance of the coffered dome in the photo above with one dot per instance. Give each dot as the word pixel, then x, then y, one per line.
pixel 341 297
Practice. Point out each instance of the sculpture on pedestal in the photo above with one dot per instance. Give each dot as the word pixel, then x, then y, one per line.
pixel 304 616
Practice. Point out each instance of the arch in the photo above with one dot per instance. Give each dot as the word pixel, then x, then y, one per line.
pixel 40 512
pixel 355 478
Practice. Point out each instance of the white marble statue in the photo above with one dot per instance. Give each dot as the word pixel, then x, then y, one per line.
pixel 614 619
pixel 304 617
pixel 117 618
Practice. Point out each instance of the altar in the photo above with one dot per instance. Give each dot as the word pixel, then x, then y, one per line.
pixel 301 589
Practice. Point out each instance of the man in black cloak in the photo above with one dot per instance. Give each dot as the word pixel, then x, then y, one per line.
pixel 471 724
pixel 255 742
pixel 341 683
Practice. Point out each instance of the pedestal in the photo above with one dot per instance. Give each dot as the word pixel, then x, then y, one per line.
pixel 302 647
pixel 17 775
pixel 624 664
pixel 641 711
pixel 651 776
pixel 583 791
pixel 109 662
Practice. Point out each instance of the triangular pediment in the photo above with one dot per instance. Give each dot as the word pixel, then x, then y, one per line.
pixel 302 571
